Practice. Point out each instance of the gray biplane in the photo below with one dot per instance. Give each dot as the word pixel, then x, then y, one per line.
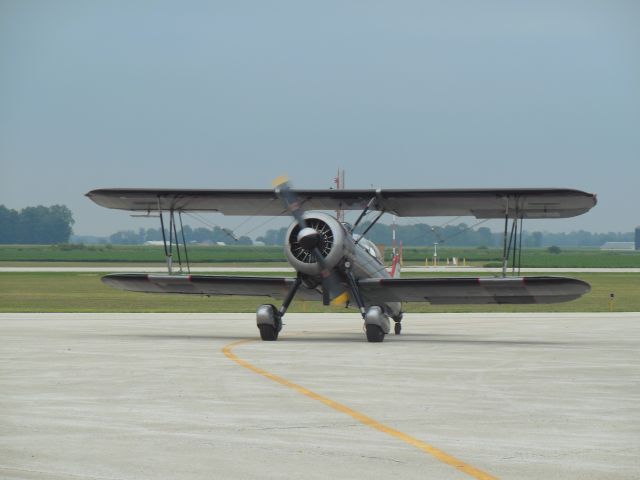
pixel 335 265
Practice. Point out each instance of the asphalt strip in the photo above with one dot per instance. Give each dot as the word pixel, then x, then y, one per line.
pixel 440 455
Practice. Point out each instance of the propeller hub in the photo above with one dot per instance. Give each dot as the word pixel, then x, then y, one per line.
pixel 308 238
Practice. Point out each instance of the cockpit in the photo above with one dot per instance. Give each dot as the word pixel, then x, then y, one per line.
pixel 369 247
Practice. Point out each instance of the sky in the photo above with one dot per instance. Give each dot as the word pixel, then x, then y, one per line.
pixel 402 94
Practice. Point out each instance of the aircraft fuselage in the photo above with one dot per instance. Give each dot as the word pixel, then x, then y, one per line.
pixel 342 252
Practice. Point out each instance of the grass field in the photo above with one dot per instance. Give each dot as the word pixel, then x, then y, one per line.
pixel 83 292
pixel 136 253
pixel 266 255
pixel 535 258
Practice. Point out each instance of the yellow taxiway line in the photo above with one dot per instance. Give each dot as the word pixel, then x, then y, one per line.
pixel 360 417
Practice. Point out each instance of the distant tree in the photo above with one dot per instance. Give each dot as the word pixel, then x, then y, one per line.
pixel 582 238
pixel 36 225
pixel 420 234
pixel 244 240
pixel 152 235
pixel 126 237
pixel 191 235
pixel 273 237
pixel 484 236
pixel 8 225
pixel 536 240
pixel 425 234
pixel 554 249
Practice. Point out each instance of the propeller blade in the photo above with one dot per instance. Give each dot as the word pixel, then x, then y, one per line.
pixel 308 239
pixel 290 200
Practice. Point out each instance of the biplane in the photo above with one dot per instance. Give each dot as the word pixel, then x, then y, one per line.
pixel 335 265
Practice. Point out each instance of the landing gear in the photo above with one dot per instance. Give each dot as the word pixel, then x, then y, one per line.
pixel 375 321
pixel 376 324
pixel 375 334
pixel 269 322
pixel 397 328
pixel 268 333
pixel 269 319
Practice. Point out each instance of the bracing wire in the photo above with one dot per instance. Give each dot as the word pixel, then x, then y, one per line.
pixel 233 232
pixel 448 222
pixel 227 231
pixel 251 217
pixel 269 220
pixel 460 232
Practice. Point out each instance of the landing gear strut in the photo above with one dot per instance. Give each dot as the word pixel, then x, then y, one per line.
pixel 376 323
pixel 397 328
pixel 269 319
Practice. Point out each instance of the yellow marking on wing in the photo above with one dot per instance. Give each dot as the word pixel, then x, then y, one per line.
pixel 341 300
pixel 282 179
pixel 360 417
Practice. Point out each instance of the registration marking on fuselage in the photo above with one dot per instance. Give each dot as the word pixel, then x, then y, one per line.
pixel 360 417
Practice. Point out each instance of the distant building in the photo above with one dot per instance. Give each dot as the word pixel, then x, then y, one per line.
pixel 637 238
pixel 621 246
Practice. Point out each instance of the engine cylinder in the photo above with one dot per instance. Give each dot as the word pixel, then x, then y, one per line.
pixel 333 243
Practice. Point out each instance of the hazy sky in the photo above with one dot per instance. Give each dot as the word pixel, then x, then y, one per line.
pixel 401 94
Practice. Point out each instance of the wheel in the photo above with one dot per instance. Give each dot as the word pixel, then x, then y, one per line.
pixel 278 324
pixel 268 333
pixel 375 334
pixel 397 328
pixel 269 322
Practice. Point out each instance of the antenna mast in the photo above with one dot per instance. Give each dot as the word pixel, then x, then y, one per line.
pixel 339 182
pixel 393 236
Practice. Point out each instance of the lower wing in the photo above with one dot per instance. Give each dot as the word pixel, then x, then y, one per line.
pixel 218 285
pixel 439 291
pixel 469 290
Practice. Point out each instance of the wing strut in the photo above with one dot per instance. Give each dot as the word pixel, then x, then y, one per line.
pixel 184 243
pixel 505 251
pixel 364 212
pixel 520 246
pixel 370 226
pixel 164 242
pixel 369 205
pixel 513 246
pixel 173 238
pixel 172 231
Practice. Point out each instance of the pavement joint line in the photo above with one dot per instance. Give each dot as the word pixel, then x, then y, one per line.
pixel 440 455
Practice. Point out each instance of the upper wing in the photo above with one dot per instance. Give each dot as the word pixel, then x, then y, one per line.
pixel 275 287
pixel 483 203
pixel 468 290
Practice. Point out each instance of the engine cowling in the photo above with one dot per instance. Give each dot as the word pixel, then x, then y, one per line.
pixel 332 241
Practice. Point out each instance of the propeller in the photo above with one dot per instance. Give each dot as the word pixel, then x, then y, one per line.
pixel 308 238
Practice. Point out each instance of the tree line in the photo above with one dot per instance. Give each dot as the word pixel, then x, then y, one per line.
pixel 462 235
pixel 413 235
pixel 191 235
pixel 52 225
pixel 36 225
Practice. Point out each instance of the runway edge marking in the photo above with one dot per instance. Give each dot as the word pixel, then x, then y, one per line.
pixel 360 417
